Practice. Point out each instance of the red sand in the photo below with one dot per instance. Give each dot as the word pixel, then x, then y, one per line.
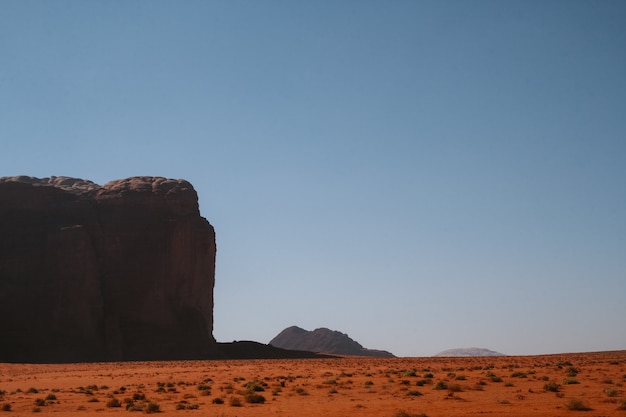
pixel 325 387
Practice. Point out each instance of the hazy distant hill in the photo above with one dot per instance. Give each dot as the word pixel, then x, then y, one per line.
pixel 469 352
pixel 323 340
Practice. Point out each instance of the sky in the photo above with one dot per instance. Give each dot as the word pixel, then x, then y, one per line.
pixel 421 175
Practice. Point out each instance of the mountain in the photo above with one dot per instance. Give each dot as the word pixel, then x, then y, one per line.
pixel 323 340
pixel 469 352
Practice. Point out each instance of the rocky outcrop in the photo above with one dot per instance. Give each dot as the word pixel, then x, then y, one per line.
pixel 123 271
pixel 469 352
pixel 323 340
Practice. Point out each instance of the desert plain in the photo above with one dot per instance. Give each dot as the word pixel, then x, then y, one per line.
pixel 589 384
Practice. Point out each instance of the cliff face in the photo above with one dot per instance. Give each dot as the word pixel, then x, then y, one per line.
pixel 123 271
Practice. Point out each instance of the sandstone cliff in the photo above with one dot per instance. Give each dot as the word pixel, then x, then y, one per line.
pixel 123 271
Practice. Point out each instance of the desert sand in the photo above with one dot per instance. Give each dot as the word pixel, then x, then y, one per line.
pixel 547 385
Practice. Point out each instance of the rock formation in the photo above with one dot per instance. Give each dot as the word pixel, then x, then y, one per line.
pixel 469 352
pixel 123 271
pixel 323 340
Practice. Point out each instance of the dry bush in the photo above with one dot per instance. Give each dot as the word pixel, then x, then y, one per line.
pixel 402 413
pixel 575 404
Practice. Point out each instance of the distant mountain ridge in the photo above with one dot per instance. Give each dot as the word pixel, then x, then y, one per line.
pixel 325 341
pixel 473 351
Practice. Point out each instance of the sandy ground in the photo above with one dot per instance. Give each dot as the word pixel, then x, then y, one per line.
pixel 324 387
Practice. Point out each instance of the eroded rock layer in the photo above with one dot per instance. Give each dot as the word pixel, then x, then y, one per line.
pixel 123 271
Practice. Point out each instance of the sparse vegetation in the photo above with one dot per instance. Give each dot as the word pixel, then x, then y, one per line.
pixel 552 387
pixel 152 407
pixel 113 403
pixel 441 385
pixel 254 398
pixel 601 388
pixel 575 404
pixel 402 413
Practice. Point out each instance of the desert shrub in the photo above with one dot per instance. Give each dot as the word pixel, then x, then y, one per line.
pixel 518 374
pixel 496 379
pixel 421 382
pixel 235 402
pixel 441 385
pixel 301 391
pixel 217 400
pixel 570 381
pixel 409 372
pixel 571 371
pixel 139 396
pixel 184 405
pixel 6 407
pixel 254 398
pixel 51 397
pixel 204 387
pixel 622 404
pixel 509 384
pixel 152 407
pixel 551 386
pixel 611 392
pixel 414 393
pixel 93 400
pixel 33 390
pixel 113 402
pixel 40 402
pixel 131 406
pixel 460 378
pixel 368 383
pixel 36 410
pixel 255 386
pixel 428 375
pixel 575 404
pixel 402 413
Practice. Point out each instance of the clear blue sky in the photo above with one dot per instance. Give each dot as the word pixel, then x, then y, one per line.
pixel 421 175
